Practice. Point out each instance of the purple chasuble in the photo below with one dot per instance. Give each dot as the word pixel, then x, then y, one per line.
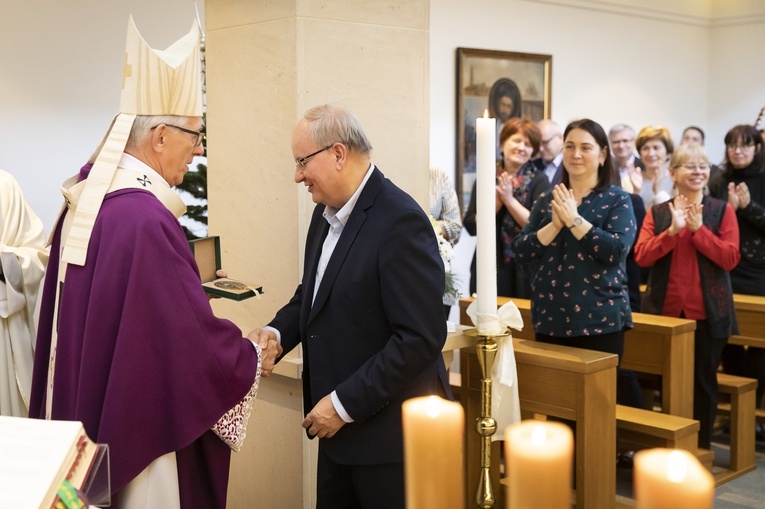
pixel 141 359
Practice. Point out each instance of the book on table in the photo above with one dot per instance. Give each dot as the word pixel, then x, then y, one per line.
pixel 37 456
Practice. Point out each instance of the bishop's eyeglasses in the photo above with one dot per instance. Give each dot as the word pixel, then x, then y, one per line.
pixel 200 135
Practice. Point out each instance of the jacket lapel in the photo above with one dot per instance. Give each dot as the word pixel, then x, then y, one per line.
pixel 344 243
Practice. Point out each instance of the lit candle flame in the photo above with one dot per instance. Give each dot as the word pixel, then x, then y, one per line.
pixel 677 466
pixel 538 435
pixel 432 407
pixel 485 113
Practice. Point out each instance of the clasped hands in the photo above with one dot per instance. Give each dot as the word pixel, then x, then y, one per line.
pixel 684 214
pixel 564 207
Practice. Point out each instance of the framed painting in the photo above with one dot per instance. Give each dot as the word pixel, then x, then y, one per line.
pixel 506 85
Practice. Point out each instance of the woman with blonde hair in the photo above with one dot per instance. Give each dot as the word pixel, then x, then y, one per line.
pixel 653 184
pixel 691 245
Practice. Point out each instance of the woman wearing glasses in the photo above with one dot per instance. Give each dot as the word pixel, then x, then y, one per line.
pixel 742 185
pixel 691 243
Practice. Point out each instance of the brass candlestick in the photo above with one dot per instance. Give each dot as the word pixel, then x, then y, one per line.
pixel 485 425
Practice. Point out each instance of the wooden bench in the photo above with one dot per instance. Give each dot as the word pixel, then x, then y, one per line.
pixel 646 429
pixel 568 383
pixel 742 419
pixel 656 345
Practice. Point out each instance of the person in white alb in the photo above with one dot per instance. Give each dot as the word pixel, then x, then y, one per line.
pixel 23 257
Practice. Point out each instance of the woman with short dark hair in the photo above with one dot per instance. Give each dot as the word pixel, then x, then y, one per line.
pixel 742 185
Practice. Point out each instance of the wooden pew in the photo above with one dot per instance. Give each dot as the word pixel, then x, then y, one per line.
pixel 741 392
pixel 646 428
pixel 569 383
pixel 657 345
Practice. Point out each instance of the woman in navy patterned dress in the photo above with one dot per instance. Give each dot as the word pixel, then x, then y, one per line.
pixel 580 234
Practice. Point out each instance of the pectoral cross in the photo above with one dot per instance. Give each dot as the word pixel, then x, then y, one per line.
pixel 127 71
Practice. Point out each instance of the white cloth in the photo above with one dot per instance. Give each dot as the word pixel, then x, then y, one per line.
pixel 155 488
pixel 664 193
pixel 23 257
pixel 505 402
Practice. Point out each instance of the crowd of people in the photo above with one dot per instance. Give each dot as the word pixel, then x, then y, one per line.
pixel 611 212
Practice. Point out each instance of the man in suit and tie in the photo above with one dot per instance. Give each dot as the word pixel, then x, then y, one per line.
pixel 368 313
pixel 551 150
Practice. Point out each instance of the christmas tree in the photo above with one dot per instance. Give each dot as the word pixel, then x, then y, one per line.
pixel 193 192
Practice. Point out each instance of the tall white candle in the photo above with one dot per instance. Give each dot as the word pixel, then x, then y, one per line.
pixel 486 239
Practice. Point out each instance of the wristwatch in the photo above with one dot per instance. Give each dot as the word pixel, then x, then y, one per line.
pixel 577 222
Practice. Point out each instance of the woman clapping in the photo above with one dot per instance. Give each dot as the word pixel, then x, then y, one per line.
pixel 691 244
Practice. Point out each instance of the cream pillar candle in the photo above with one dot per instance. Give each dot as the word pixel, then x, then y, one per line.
pixel 486 240
pixel 433 436
pixel 672 478
pixel 539 456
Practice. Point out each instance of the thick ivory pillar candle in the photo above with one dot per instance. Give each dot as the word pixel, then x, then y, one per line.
pixel 672 478
pixel 486 237
pixel 539 456
pixel 433 435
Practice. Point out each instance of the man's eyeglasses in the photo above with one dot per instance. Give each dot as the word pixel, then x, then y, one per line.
pixel 302 161
pixel 200 136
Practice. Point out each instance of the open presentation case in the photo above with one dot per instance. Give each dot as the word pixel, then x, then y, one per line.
pixel 207 253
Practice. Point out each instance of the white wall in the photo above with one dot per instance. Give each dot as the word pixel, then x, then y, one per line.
pixel 60 78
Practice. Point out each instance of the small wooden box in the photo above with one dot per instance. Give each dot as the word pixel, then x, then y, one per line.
pixel 207 253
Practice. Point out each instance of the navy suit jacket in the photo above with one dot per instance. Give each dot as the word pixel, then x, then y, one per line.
pixel 376 328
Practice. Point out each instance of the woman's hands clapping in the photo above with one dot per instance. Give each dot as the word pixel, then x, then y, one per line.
pixel 564 206
pixel 684 214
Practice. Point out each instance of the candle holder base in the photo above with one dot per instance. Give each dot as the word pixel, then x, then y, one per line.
pixel 486 426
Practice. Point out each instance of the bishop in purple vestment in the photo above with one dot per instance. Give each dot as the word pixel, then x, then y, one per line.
pixel 138 355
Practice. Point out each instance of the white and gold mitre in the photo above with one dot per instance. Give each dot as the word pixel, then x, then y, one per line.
pixel 154 82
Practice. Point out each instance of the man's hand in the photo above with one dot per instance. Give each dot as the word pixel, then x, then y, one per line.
pixel 270 349
pixel 323 421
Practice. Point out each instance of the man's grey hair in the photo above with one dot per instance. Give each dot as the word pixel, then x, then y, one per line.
pixel 143 124
pixel 328 124
pixel 619 128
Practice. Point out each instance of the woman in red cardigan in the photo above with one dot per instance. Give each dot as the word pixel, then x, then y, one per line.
pixel 691 245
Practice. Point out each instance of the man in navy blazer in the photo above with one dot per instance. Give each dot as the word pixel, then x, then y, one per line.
pixel 368 313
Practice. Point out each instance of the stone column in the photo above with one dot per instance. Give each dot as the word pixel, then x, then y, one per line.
pixel 268 62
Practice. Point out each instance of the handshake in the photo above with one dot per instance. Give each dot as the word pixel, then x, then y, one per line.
pixel 270 348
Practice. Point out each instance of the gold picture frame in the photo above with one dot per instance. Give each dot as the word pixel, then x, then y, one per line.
pixel 505 83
